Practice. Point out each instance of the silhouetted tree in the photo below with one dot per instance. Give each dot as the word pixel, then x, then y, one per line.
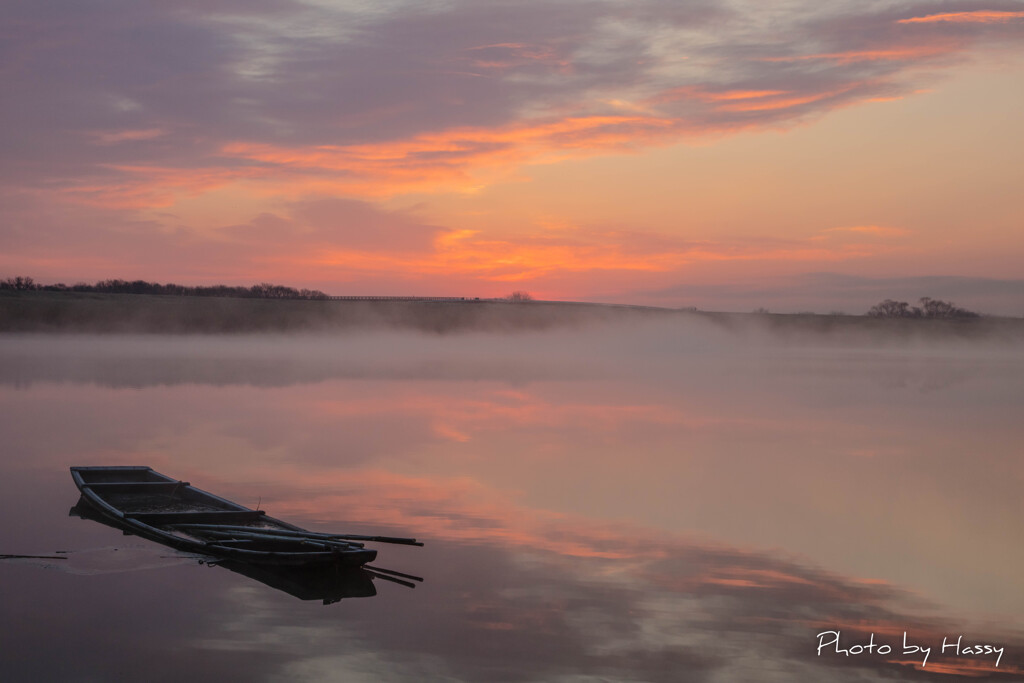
pixel 19 283
pixel 263 290
pixel 930 308
pixel 520 296
pixel 892 309
pixel 936 308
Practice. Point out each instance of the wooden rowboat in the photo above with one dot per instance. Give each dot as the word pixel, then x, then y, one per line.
pixel 145 503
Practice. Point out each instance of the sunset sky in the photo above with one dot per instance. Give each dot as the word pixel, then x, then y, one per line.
pixel 727 154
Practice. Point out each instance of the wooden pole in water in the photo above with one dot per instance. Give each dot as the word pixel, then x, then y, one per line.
pixel 306 534
pixel 392 571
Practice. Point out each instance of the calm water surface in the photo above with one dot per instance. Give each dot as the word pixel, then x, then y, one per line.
pixel 652 503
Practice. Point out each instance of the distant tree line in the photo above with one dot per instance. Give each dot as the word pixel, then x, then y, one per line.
pixel 264 290
pixel 929 308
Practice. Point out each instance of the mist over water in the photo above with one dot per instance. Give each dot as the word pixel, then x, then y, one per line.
pixel 654 500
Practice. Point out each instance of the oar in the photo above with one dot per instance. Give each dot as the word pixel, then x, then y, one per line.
pixel 243 535
pixel 409 584
pixel 306 534
pixel 392 571
pixel 378 539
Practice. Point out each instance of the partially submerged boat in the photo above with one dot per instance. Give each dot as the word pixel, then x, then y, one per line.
pixel 145 503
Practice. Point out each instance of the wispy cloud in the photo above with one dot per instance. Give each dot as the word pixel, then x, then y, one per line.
pixel 969 17
pixel 873 230
pixel 311 241
pixel 116 113
pixel 452 158
pixel 408 99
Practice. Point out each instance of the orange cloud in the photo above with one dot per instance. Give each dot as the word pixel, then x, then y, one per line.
pixel 747 577
pixel 452 145
pixel 740 94
pixel 533 257
pixel 591 109
pixel 880 54
pixel 510 55
pixel 468 158
pixel 447 157
pixel 511 261
pixel 972 17
pixel 460 158
pixel 707 95
pixel 150 187
pixel 498 260
pixel 115 136
pixel 778 100
pixel 769 101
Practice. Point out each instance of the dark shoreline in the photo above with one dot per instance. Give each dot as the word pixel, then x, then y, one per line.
pixel 96 313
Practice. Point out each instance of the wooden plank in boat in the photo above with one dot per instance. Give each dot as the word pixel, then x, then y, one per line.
pixel 136 486
pixel 214 516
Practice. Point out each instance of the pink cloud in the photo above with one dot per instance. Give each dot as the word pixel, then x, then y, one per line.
pixel 970 17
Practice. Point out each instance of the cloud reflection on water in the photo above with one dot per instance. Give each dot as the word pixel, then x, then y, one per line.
pixel 694 613
pixel 597 503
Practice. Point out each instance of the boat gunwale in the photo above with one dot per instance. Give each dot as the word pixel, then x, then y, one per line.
pixel 193 543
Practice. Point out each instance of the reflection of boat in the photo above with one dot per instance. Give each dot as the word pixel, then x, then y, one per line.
pixel 156 507
pixel 328 583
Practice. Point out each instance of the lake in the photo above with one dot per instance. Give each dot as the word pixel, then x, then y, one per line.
pixel 657 501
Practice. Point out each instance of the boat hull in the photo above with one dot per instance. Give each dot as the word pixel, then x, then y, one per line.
pixel 145 503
